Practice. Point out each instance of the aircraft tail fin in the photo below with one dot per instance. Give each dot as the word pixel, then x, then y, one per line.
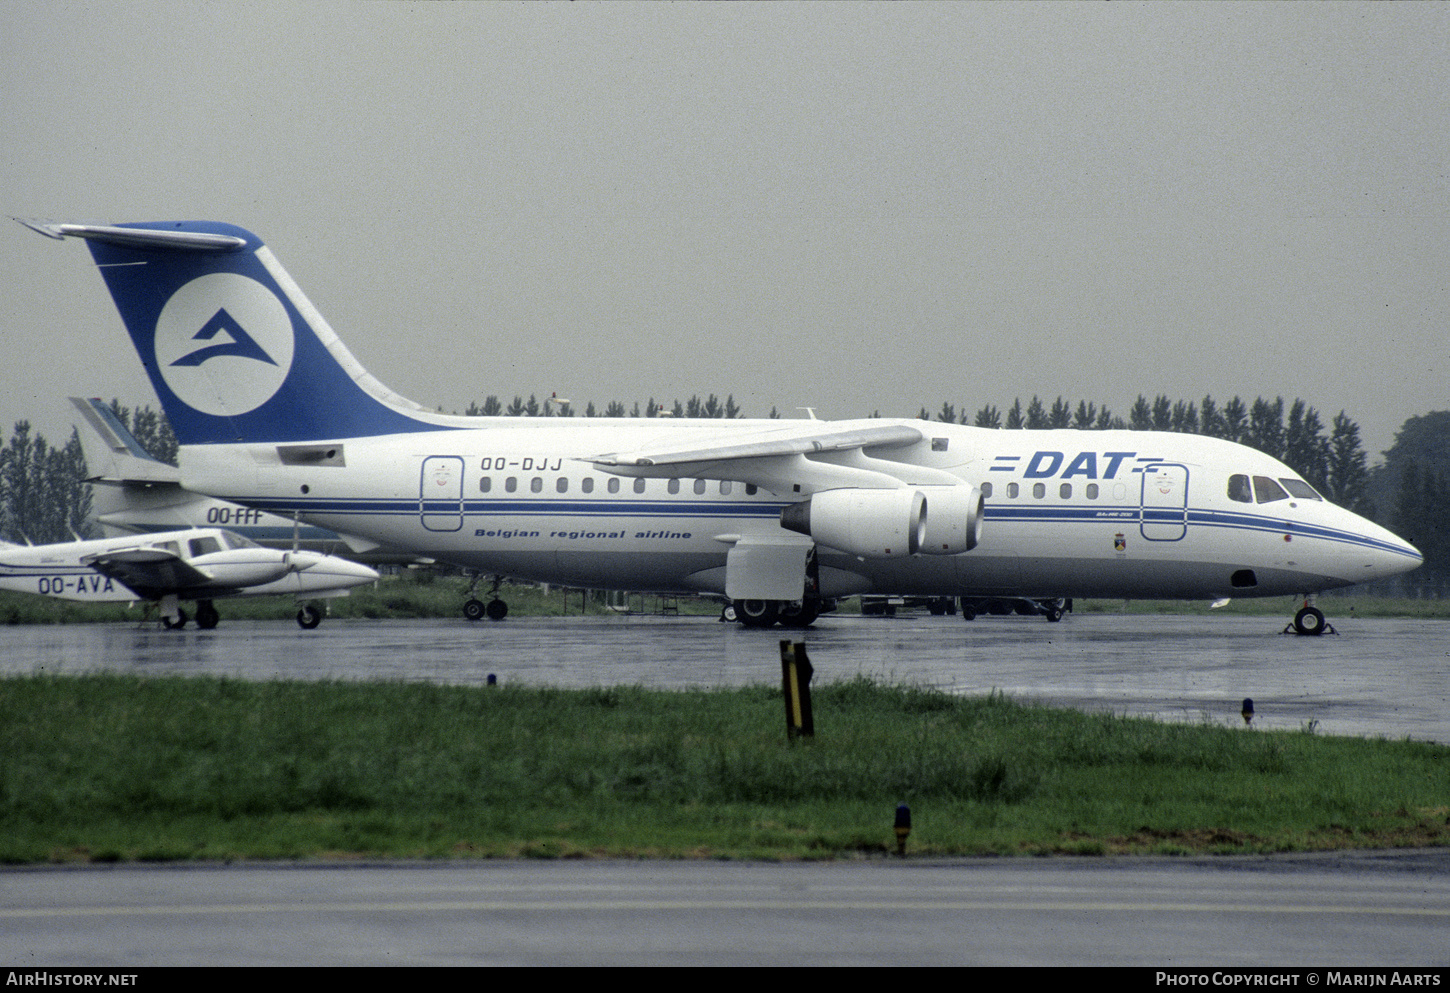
pixel 113 455
pixel 234 349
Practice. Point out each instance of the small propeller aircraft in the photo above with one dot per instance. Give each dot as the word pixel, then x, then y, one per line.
pixel 198 564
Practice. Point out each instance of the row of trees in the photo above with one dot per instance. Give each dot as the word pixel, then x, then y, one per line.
pixel 43 498
pixel 552 406
pixel 1415 480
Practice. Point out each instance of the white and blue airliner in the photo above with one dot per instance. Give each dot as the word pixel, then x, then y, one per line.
pixel 780 518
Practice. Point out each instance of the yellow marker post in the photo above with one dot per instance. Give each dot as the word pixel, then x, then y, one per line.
pixel 795 678
pixel 902 827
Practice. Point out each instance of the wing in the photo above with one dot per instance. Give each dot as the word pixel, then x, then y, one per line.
pixel 148 572
pixel 803 457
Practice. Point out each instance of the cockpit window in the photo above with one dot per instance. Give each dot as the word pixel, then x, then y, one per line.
pixel 233 540
pixel 1267 491
pixel 203 546
pixel 1238 489
pixel 1300 490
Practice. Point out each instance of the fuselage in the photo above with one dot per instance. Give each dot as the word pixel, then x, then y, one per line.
pixel 273 412
pixel 1067 513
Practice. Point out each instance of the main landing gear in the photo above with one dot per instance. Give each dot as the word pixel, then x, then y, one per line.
pixel 1309 620
pixel 173 618
pixel 1052 609
pixel 476 610
pixel 764 613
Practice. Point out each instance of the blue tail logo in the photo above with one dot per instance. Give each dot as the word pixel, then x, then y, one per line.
pixel 251 348
pixel 241 343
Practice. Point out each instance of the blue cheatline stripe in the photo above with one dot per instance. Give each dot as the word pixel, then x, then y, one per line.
pixel 1197 518
pixel 33 571
pixel 1121 515
pixel 520 507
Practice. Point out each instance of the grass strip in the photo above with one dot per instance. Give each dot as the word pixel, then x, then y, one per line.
pixel 113 767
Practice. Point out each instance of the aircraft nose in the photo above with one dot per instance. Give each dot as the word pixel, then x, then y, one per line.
pixel 355 572
pixel 345 571
pixel 1392 555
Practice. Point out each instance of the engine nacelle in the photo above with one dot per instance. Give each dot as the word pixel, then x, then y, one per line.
pixel 953 519
pixel 244 567
pixel 870 523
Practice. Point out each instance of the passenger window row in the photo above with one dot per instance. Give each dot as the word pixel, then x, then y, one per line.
pixel 1260 489
pixel 1039 491
pixel 613 485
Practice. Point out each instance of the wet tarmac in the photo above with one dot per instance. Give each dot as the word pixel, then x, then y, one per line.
pixel 1376 678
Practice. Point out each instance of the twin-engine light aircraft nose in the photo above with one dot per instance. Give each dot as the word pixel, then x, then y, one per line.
pixel 200 564
pixel 779 517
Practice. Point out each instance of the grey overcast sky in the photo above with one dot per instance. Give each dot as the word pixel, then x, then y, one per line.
pixel 854 206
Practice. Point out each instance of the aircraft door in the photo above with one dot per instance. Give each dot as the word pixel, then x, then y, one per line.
pixel 1163 515
pixel 440 493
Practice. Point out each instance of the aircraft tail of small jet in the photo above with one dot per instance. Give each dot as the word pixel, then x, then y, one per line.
pixel 113 455
pixel 234 350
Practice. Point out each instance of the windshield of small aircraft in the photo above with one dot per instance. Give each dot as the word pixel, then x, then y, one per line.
pixel 1266 490
pixel 203 546
pixel 237 541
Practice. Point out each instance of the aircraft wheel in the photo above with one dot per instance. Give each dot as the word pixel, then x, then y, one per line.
pixel 207 616
pixel 727 613
pixel 497 610
pixel 969 610
pixel 1309 620
pixel 802 616
pixel 174 625
pixel 1054 613
pixel 474 610
pixel 309 617
pixel 756 613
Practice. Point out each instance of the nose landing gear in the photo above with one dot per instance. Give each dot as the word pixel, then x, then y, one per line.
pixel 1309 621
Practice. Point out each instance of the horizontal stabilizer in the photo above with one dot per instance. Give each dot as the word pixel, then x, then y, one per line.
pixel 196 241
